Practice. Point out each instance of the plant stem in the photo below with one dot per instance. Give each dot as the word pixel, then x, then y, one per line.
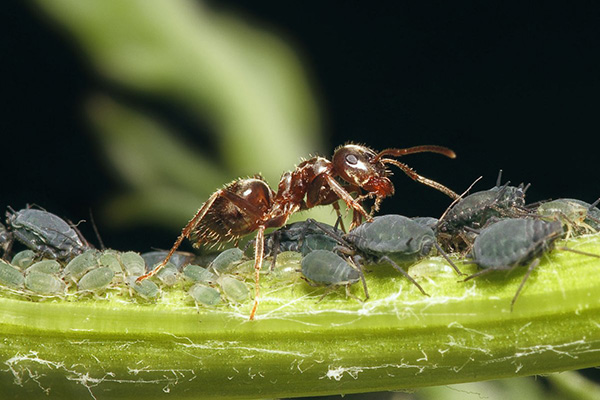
pixel 398 339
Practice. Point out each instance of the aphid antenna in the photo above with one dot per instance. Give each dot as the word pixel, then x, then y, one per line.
pixel 499 178
pixel 96 231
pixel 456 200
pixel 594 204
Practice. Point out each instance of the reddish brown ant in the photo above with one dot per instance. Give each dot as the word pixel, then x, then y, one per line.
pixel 247 205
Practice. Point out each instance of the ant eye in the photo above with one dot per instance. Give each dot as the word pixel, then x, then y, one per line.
pixel 351 159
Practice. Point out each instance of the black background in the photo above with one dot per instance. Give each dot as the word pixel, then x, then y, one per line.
pixel 506 86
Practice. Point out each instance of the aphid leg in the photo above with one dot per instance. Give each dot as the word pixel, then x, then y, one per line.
pixel 532 266
pixel 184 233
pixel 259 248
pixel 274 249
pixel 584 253
pixel 403 272
pixel 443 253
pixel 362 279
pixel 421 179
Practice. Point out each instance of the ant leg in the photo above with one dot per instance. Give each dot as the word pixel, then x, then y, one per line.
pixel 258 260
pixel 184 233
pixel 340 220
pixel 349 200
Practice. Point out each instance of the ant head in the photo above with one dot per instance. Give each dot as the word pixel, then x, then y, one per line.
pixel 360 166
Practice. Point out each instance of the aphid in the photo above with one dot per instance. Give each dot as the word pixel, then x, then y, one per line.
pixel 205 294
pixel 44 283
pixel 81 264
pixel 23 259
pixel 45 266
pixel 110 259
pixel 5 239
pixel 96 279
pixel 250 205
pixel 146 289
pixel 324 267
pixel 179 259
pixel 576 215
pixel 233 289
pixel 394 238
pixel 302 237
pixel 226 259
pixel 196 273
pixel 10 276
pixel 429 222
pixel 46 233
pixel 134 263
pixel 512 242
pixel 473 212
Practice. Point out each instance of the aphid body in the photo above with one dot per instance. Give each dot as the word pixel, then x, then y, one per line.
pixel 46 233
pixel 513 242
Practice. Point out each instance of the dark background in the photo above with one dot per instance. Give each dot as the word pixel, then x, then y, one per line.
pixel 506 86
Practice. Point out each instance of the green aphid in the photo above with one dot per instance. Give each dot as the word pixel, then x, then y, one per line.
pixel 45 266
pixel 134 263
pixel 196 273
pixel 235 290
pixel 44 283
pixel 81 264
pixel 111 260
pixel 10 276
pixel 168 274
pixel 205 294
pixel 96 279
pixel 23 259
pixel 226 259
pixel 146 288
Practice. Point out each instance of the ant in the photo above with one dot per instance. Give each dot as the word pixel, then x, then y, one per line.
pixel 249 204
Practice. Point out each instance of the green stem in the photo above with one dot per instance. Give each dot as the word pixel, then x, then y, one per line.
pixel 398 339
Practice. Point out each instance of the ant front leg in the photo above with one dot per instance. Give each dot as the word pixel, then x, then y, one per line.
pixel 348 199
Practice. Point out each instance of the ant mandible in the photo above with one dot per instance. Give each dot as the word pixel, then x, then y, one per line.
pixel 248 205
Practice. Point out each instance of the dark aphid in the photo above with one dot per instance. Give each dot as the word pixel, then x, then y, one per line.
pixel 395 238
pixel 513 242
pixel 429 222
pixel 475 210
pixel 302 237
pixel 323 267
pixel 576 215
pixel 45 233
pixel 5 239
